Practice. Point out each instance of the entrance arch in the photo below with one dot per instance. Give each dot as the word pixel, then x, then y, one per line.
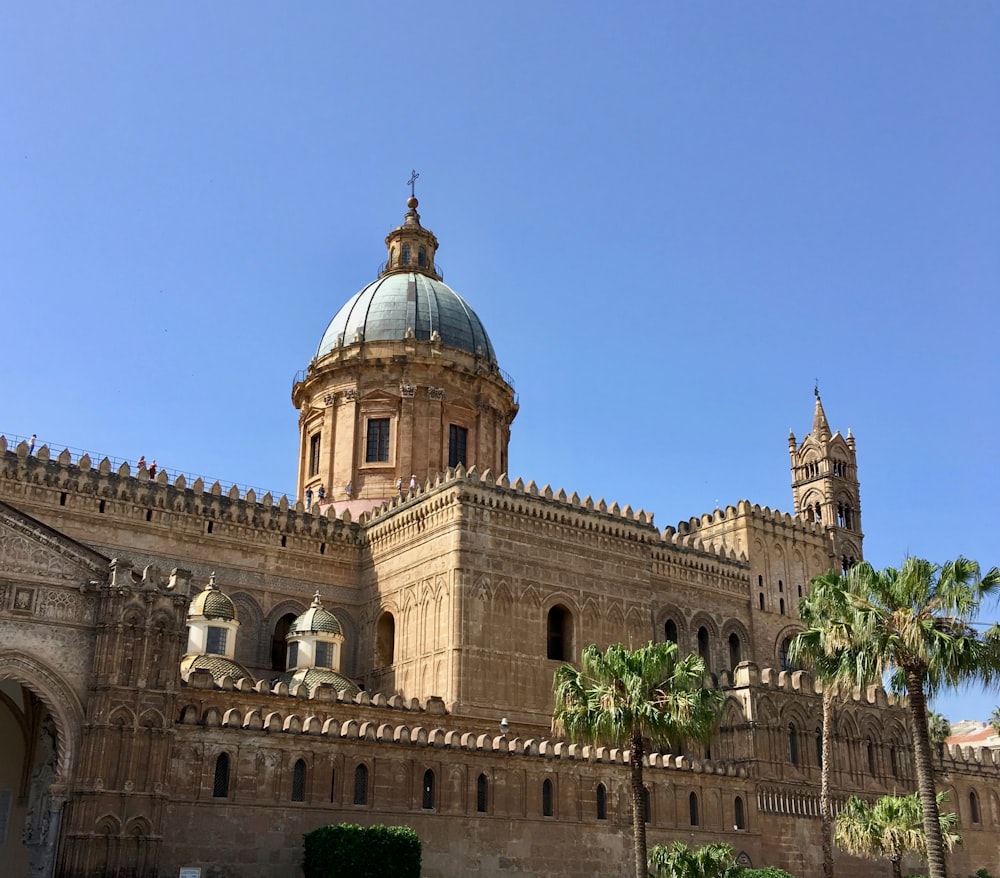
pixel 53 747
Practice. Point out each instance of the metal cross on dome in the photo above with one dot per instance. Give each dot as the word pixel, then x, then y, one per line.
pixel 413 179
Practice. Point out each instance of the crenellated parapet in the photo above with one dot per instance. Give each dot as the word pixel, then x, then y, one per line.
pixel 30 479
pixel 754 513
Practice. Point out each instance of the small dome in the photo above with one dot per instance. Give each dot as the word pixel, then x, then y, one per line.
pixel 212 603
pixel 312 677
pixel 408 305
pixel 315 620
pixel 219 666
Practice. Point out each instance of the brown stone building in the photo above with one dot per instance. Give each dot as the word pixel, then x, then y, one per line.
pixel 195 677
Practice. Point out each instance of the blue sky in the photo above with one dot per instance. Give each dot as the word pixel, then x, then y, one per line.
pixel 672 218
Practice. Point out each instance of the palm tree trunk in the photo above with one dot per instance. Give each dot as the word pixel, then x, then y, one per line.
pixel 897 869
pixel 824 784
pixel 638 808
pixel 925 775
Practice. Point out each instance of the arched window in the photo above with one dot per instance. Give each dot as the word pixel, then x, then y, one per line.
pixel 406 254
pixel 735 650
pixel 422 257
pixel 645 805
pixel 781 606
pixel 428 802
pixel 781 586
pixel 760 600
pixel 559 634
pixel 819 748
pixel 392 257
pixel 793 744
pixel 870 748
pixel 703 647
pixel 894 761
pixel 279 642
pixel 547 798
pixel 385 641
pixel 974 806
pixel 739 815
pixel 670 630
pixel 602 802
pixel 299 781
pixel 482 793
pixel 220 786
pixel 693 808
pixel 783 659
pixel 333 785
pixel 361 785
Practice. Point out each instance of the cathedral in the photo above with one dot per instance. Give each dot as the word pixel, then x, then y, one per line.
pixel 192 677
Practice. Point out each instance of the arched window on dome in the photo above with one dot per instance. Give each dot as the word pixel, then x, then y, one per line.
pixel 602 802
pixel 559 634
pixel 406 255
pixel 215 643
pixel 385 640
pixel 670 631
pixel 482 794
pixel 220 784
pixel 428 797
pixel 704 649
pixel 279 642
pixel 422 257
pixel 735 650
pixel 299 781
pixel 293 656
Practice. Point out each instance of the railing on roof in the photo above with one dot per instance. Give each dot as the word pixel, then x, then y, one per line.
pixel 55 449
pixel 399 266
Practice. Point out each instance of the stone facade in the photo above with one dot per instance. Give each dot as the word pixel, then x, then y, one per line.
pixel 457 598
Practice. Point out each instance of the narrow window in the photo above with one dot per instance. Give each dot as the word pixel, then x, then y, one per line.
pixel 547 798
pixel 693 808
pixel 870 748
pixel 558 646
pixel 406 254
pixel 333 784
pixel 324 655
pixel 793 744
pixel 361 785
pixel 760 600
pixel 293 655
pixel 422 257
pixel 645 804
pixel 894 761
pixel 781 586
pixel 602 802
pixel 670 630
pixel 783 659
pixel 62 499
pixel 100 507
pixel 974 806
pixel 739 815
pixel 735 650
pixel 314 454
pixel 703 649
pixel 377 441
pixel 385 641
pixel 208 527
pixel 149 514
pixel 299 781
pixel 781 606
pixel 216 644
pixel 279 643
pixel 819 748
pixel 428 802
pixel 220 787
pixel 458 438
pixel 482 793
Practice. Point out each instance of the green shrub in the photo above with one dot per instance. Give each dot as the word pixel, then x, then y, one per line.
pixel 349 851
pixel 765 872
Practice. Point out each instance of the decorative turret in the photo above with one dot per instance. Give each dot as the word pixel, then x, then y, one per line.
pixel 212 626
pixel 825 484
pixel 315 643
pixel 404 384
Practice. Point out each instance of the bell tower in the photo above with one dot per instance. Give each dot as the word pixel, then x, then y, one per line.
pixel 825 485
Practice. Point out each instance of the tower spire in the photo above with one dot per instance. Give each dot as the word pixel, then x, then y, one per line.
pixel 821 426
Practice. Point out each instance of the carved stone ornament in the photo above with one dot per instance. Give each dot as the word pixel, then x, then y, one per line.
pixel 435 393
pixel 407 391
pixel 351 394
pixel 24 600
pixel 329 399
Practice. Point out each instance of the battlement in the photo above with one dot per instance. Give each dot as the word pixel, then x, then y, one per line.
pixel 757 514
pixel 120 492
pixel 303 722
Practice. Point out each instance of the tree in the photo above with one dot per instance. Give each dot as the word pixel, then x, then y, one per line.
pixel 681 861
pixel 629 698
pixel 995 720
pixel 890 827
pixel 825 647
pixel 938 727
pixel 915 623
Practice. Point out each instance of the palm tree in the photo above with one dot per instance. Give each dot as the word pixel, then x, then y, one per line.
pixel 825 647
pixel 681 861
pixel 938 727
pixel 915 623
pixel 629 698
pixel 890 827
pixel 995 720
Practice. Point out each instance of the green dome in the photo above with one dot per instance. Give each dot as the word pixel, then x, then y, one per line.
pixel 315 620
pixel 217 665
pixel 212 604
pixel 312 677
